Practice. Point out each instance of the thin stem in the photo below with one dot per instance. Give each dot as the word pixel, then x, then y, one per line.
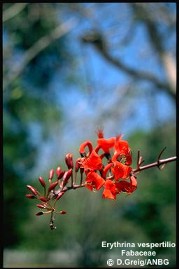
pixel 75 178
pixel 157 163
pixel 52 219
pixel 45 191
pixel 81 178
pixel 138 156
pixel 72 180
pixel 161 153
pixel 74 187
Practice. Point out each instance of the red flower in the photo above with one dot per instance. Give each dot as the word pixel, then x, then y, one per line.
pixel 125 159
pixel 128 159
pixel 100 133
pixel 121 146
pixel 120 170
pixel 125 186
pixel 103 143
pixel 133 183
pixel 93 162
pixel 84 145
pixel 123 150
pixel 109 190
pixel 94 181
pixel 106 169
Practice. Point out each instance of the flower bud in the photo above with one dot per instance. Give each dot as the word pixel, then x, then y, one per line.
pixel 62 212
pixel 30 196
pixel 59 172
pixel 60 195
pixel 43 199
pixel 32 189
pixel 42 182
pixel 51 174
pixel 39 213
pixel 69 160
pixel 40 206
pixel 66 177
pixel 52 186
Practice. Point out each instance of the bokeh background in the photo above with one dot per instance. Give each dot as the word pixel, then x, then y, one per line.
pixel 69 69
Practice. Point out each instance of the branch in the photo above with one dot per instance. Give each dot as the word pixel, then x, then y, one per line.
pixel 74 187
pixel 13 10
pixel 40 45
pixel 157 43
pixel 157 163
pixel 98 41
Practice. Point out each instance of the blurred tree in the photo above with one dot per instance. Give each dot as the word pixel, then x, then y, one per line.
pixel 120 55
pixel 34 47
pixel 157 32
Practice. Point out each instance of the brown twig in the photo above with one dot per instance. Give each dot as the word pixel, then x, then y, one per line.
pixel 158 163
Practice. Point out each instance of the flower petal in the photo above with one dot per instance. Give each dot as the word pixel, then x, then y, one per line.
pixel 106 169
pixel 125 186
pixel 94 181
pixel 121 146
pixel 109 190
pixel 120 170
pixel 105 144
pixel 92 162
pixel 84 145
pixel 107 194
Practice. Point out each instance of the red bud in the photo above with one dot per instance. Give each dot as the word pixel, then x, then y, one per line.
pixel 66 177
pixel 30 196
pixel 39 213
pixel 63 212
pixel 51 173
pixel 60 195
pixel 52 186
pixel 40 206
pixel 69 160
pixel 32 189
pixel 43 199
pixel 42 181
pixel 59 172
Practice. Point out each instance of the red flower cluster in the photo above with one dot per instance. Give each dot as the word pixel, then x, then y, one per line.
pixel 108 166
